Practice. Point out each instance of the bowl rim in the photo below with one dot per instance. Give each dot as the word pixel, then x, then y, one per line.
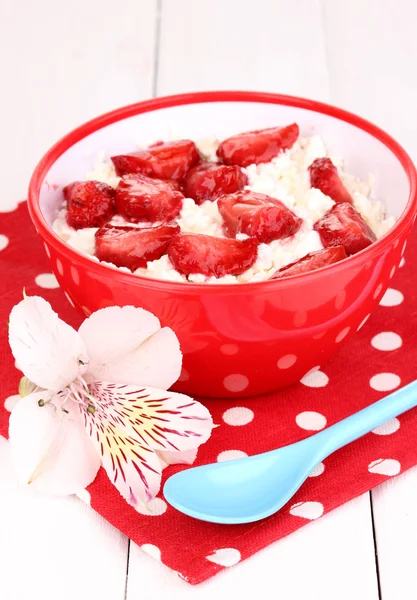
pixel 74 136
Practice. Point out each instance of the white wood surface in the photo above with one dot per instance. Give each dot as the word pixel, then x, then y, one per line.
pixel 63 63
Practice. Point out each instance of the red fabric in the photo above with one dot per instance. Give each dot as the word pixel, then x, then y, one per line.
pixel 185 543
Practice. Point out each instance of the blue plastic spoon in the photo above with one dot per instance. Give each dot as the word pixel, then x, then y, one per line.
pixel 249 489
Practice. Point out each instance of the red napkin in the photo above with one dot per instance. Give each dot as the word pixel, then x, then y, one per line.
pixel 378 359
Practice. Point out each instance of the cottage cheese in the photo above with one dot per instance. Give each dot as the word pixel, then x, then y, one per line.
pixel 286 177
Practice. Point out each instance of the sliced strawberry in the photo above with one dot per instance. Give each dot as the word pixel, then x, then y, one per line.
pixel 90 203
pixel 257 215
pixel 133 247
pixel 257 146
pixel 311 262
pixel 343 226
pixel 140 198
pixel 209 181
pixel 169 160
pixel 324 176
pixel 196 253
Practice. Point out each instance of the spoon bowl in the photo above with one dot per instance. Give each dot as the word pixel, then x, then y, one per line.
pixel 242 490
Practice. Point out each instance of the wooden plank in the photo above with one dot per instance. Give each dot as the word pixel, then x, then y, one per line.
pixel 372 53
pixel 62 64
pixel 55 547
pixel 395 517
pixel 271 46
pixel 327 559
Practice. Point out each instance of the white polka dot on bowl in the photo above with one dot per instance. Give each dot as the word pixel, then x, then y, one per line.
pixel 340 300
pixel 287 361
pixel 238 415
pixel 59 266
pixel 386 341
pixel 68 297
pixel 229 349
pixel 48 253
pixel 363 322
pixel 402 262
pixel 236 382
pixel 385 382
pixel 300 318
pixel 75 276
pixel 47 281
pixel 341 336
pixel 377 291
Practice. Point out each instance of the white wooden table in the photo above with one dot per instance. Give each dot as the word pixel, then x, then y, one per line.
pixel 65 62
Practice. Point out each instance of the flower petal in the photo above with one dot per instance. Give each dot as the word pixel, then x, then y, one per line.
pixel 127 345
pixel 177 458
pixel 49 447
pixel 158 419
pixel 47 350
pixel 134 469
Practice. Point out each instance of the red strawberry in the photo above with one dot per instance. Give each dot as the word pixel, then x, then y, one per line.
pixel 140 198
pixel 209 181
pixel 324 176
pixel 169 160
pixel 257 146
pixel 311 262
pixel 257 215
pixel 343 226
pixel 133 247
pixel 90 203
pixel 196 253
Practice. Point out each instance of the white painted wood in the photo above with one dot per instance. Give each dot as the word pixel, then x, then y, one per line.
pixel 324 560
pixel 395 514
pixel 269 45
pixel 372 53
pixel 63 63
pixel 55 548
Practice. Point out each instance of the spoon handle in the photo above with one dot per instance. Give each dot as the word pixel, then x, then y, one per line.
pixel 350 429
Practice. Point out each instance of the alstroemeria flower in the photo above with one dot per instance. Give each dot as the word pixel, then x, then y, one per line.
pixel 98 396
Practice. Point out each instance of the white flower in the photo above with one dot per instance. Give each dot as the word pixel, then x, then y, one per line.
pixel 98 396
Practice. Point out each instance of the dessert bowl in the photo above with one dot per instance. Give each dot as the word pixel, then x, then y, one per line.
pixel 250 338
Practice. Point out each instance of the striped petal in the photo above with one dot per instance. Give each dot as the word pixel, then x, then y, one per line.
pixel 49 352
pixel 158 419
pixel 132 467
pixel 177 458
pixel 128 423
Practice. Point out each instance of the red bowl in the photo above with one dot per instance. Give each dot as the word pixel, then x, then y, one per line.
pixel 243 339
